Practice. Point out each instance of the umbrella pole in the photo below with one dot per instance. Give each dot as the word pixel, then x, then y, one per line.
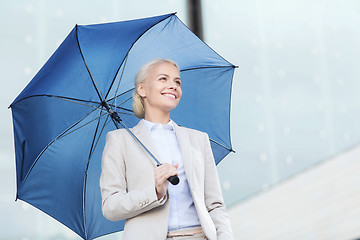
pixel 174 180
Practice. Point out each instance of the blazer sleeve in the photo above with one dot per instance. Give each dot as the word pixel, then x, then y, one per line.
pixel 213 195
pixel 117 201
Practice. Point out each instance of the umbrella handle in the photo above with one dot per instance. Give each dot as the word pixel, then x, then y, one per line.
pixel 174 180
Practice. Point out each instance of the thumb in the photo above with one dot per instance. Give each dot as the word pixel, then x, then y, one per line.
pixel 176 165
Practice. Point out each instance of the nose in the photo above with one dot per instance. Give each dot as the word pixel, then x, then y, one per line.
pixel 173 85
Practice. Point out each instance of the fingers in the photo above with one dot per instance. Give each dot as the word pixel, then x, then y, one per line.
pixel 162 173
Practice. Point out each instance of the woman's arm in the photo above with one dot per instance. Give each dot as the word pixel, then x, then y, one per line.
pixel 117 201
pixel 213 195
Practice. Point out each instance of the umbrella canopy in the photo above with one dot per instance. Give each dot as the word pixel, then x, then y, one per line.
pixel 60 121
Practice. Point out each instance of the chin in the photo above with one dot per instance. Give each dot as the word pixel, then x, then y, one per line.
pixel 170 108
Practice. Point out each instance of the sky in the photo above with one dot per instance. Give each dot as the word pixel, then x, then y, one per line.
pixel 294 98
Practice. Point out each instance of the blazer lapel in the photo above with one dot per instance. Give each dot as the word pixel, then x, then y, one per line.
pixel 142 134
pixel 185 148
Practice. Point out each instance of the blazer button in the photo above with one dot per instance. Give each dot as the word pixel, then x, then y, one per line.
pixel 141 204
pixel 147 201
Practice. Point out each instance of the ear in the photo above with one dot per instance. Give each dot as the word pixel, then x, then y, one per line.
pixel 141 90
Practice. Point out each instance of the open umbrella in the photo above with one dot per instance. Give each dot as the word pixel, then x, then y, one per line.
pixel 62 116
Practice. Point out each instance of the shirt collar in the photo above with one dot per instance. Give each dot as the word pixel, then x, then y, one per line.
pixel 150 126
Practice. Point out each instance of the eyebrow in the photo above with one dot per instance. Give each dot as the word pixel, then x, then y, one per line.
pixel 167 75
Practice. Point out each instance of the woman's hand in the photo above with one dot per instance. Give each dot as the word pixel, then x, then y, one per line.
pixel 162 173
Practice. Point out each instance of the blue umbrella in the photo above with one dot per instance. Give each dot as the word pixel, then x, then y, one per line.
pixel 61 118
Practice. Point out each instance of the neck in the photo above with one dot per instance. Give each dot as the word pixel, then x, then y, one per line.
pixel 157 116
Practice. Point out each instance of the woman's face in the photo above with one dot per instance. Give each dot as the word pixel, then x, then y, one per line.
pixel 161 89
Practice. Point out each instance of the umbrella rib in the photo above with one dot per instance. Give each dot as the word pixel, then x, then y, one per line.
pixel 131 89
pixel 205 67
pixel 122 73
pixel 125 109
pixel 82 126
pixel 132 45
pixel 99 93
pixel 126 101
pixel 68 99
pixel 85 178
pixel 122 108
pixel 129 114
pixel 92 143
pixel 92 150
pixel 73 100
pixel 49 144
pixel 230 149
pixel 118 107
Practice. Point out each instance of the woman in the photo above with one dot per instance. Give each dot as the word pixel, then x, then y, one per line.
pixel 135 189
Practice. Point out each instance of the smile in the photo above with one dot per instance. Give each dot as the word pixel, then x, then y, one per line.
pixel 170 95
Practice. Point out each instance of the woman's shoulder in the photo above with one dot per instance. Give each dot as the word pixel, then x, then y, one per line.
pixel 122 131
pixel 118 133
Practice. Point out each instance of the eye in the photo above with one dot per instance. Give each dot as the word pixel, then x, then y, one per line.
pixel 162 79
pixel 178 82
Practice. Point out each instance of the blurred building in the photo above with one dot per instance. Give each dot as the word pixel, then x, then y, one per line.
pixel 319 203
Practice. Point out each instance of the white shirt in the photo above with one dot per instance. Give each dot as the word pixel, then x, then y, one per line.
pixel 182 209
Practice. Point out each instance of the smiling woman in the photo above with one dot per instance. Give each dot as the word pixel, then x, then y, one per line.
pixel 160 78
pixel 136 189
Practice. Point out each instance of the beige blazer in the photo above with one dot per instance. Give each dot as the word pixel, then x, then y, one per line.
pixel 128 186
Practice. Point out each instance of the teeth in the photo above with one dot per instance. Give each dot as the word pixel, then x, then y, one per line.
pixel 169 95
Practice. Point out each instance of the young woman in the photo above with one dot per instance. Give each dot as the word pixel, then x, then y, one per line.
pixel 135 189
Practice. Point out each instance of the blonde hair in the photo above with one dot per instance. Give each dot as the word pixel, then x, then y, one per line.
pixel 138 102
